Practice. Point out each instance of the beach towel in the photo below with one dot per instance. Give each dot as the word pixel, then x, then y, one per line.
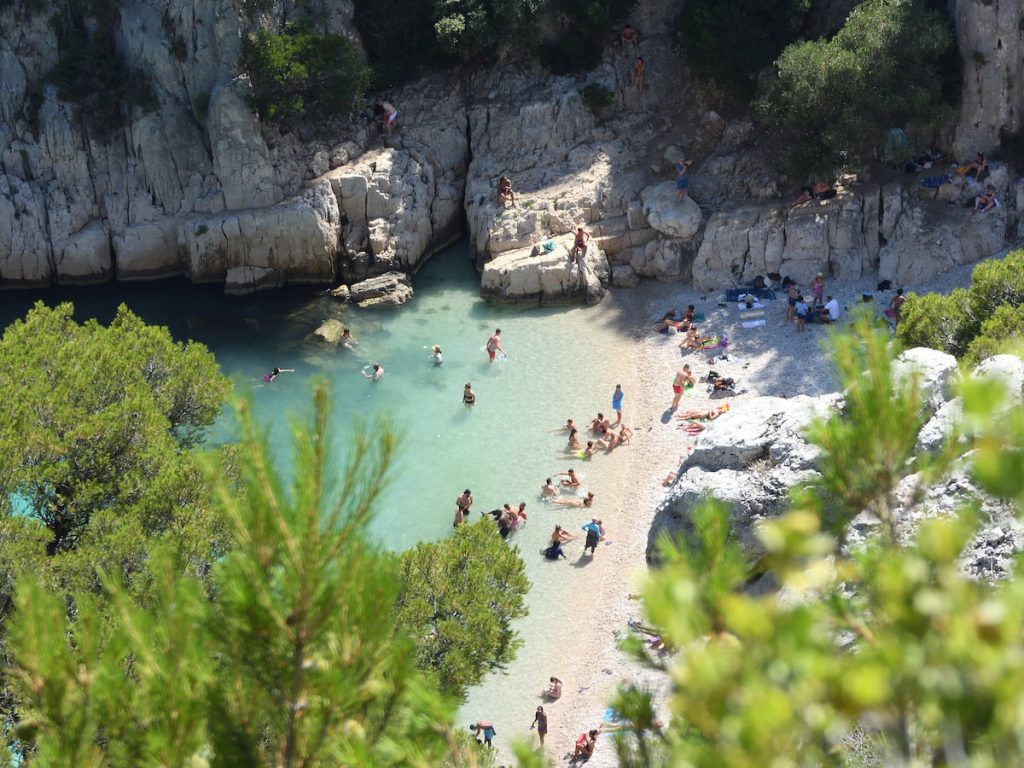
pixel 715 343
pixel 934 182
pixel 753 318
pixel 760 323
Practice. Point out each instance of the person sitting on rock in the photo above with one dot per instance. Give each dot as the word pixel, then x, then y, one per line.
pixel 579 248
pixel 978 169
pixel 630 38
pixel 987 200
pixel 505 193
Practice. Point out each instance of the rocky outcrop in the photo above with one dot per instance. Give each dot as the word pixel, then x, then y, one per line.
pixel 536 275
pixel 329 331
pixel 905 238
pixel 991 47
pixel 750 458
pixel 389 289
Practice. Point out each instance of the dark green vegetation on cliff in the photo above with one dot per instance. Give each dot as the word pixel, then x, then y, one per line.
pixel 971 323
pixel 299 73
pixel 162 603
pixel 883 635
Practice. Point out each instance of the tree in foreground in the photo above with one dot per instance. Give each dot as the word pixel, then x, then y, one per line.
pixel 458 599
pixel 875 644
pixel 297 661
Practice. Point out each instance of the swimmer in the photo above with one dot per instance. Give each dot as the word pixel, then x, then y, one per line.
pixel 572 480
pixel 569 426
pixel 347 340
pixel 561 535
pixel 468 395
pixel 586 502
pixel 436 356
pixel 277 372
pixel 375 371
pixel 574 442
pixel 493 345
pixel 548 489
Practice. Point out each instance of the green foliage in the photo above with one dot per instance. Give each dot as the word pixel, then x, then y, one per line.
pixel 390 30
pixel 458 599
pixel 596 97
pixel 299 73
pixel 891 639
pixel 472 29
pixel 882 69
pixel 91 72
pixel 997 334
pixel 988 310
pixel 731 41
pixel 297 662
pixel 586 26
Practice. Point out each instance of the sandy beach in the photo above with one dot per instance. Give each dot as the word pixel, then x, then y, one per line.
pixel 771 360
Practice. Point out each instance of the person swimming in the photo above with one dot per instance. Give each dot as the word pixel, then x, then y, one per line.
pixel 277 372
pixel 375 371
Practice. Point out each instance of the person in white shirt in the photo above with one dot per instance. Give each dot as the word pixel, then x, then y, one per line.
pixel 831 311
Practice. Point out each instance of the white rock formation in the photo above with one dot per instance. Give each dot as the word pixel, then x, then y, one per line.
pixel 535 275
pixel 670 216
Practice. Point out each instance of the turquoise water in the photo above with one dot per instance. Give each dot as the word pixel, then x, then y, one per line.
pixel 561 363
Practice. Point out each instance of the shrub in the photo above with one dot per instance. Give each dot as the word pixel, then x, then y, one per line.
pixel 996 334
pixel 730 41
pixel 883 68
pixel 472 29
pixel 390 29
pixel 596 96
pixel 298 73
pixel 587 25
pixel 972 323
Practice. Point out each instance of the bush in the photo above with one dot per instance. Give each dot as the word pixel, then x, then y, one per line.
pixel 731 41
pixel 596 97
pixel 298 73
pixel 973 323
pixel 996 334
pixel 585 29
pixel 390 29
pixel 883 68
pixel 472 29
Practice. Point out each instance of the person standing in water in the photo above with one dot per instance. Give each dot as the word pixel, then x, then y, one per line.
pixel 436 355
pixel 548 489
pixel 464 502
pixel 468 395
pixel 347 340
pixel 617 396
pixel 494 344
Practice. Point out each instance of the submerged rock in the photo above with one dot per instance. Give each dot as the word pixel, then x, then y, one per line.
pixel 329 331
pixel 391 288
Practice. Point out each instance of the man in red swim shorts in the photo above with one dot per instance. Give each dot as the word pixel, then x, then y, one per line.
pixel 494 344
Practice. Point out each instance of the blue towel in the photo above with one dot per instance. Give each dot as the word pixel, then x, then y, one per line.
pixel 934 182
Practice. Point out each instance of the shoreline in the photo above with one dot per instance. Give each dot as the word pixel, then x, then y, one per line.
pixel 774 360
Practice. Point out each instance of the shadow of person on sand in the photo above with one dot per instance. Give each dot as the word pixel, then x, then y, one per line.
pixel 584 561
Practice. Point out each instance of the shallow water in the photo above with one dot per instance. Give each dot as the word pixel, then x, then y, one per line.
pixel 561 363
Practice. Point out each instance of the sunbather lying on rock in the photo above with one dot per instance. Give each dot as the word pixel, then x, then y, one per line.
pixel 708 415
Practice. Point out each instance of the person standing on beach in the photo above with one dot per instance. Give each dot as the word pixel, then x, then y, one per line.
pixel 683 375
pixel 617 396
pixel 486 729
pixel 494 345
pixel 540 721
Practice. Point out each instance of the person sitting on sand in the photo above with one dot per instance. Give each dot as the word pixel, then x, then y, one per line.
pixel 554 689
pixel 585 744
pixel 830 312
pixel 693 339
pixel 624 434
pixel 609 442
pixel 709 415
pixel 600 425
pixel 554 551
pixel 505 193
pixel 572 480
pixel 574 442
pixel 561 535
pixel 587 502
pixel 347 340
pixel 667 320
pixel 548 489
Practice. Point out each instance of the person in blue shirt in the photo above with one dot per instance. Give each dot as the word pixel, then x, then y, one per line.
pixel 595 532
pixel 617 396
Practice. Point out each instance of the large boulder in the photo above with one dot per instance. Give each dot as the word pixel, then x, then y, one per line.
pixel 389 289
pixel 936 374
pixel 538 276
pixel 329 331
pixel 667 214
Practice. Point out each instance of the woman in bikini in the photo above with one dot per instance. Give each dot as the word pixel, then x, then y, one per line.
pixel 587 502
pixel 574 443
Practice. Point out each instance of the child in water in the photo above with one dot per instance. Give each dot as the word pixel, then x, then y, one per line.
pixel 436 356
